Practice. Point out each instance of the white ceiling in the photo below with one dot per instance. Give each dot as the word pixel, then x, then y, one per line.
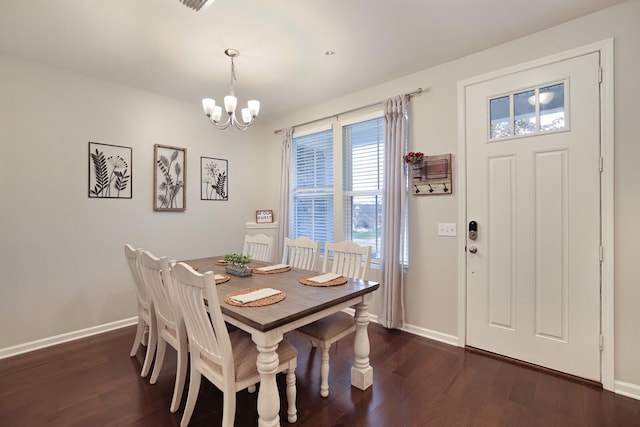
pixel 165 47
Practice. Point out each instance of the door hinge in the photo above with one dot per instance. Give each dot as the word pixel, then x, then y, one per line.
pixel 599 74
pixel 601 342
pixel 601 253
pixel 601 163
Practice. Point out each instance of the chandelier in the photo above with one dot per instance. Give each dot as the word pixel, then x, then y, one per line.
pixel 214 112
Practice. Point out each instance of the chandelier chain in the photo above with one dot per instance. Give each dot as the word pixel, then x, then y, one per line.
pixel 233 77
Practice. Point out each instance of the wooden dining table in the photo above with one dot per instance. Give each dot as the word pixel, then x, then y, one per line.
pixel 302 305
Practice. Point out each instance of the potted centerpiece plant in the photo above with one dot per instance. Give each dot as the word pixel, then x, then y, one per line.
pixel 238 264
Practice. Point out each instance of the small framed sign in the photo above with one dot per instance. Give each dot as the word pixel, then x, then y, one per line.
pixel 264 216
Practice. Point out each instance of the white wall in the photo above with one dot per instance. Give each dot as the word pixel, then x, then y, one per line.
pixel 431 287
pixel 62 258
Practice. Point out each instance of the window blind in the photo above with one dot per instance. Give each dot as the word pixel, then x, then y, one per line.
pixel 313 186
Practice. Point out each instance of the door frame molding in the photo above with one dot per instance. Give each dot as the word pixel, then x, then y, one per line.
pixel 606 50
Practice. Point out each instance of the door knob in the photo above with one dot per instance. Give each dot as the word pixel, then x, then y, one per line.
pixel 473 249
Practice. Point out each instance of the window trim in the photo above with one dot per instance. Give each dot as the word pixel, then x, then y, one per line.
pixel 342 194
pixel 536 87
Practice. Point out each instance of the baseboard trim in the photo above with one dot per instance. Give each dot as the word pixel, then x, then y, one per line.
pixel 427 333
pixel 627 389
pixel 415 330
pixel 70 336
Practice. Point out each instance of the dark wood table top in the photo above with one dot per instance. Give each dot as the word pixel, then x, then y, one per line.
pixel 301 300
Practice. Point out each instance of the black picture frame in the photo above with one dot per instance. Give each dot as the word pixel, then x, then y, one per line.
pixel 110 171
pixel 214 179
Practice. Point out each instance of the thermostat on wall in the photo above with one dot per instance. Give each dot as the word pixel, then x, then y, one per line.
pixel 264 216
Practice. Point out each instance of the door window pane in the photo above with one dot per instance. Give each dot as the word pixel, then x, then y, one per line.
pixel 500 115
pixel 524 112
pixel 552 115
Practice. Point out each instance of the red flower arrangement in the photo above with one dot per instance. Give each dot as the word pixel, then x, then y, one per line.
pixel 414 158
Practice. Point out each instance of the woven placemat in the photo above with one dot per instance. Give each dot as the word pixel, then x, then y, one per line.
pixel 220 262
pixel 226 278
pixel 279 270
pixel 259 303
pixel 335 282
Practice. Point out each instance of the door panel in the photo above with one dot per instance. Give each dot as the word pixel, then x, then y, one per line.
pixel 501 260
pixel 551 284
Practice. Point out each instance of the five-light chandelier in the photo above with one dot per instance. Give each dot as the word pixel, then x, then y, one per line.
pixel 214 112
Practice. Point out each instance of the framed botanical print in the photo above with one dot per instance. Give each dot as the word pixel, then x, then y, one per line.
pixel 110 171
pixel 169 178
pixel 214 179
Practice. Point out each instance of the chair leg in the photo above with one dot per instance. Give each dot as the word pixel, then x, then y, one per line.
pixel 181 373
pixel 292 412
pixel 251 388
pixel 151 348
pixel 138 338
pixel 192 396
pixel 324 371
pixel 160 352
pixel 228 407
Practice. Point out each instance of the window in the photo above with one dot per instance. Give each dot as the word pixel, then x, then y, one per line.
pixel 533 111
pixel 312 186
pixel 358 195
pixel 363 177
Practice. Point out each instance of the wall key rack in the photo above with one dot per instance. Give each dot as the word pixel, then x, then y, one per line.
pixel 432 176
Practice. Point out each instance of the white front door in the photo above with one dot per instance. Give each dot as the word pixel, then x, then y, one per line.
pixel 533 272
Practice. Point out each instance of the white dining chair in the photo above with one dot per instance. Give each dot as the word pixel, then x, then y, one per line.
pixel 227 359
pixel 258 247
pixel 350 260
pixel 169 323
pixel 301 253
pixel 146 311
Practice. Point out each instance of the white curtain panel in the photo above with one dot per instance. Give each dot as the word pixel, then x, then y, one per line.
pixel 285 183
pixel 391 309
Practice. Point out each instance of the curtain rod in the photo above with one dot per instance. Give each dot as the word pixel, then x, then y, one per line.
pixel 409 94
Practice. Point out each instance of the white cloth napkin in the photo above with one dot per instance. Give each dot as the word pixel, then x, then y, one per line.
pixel 323 278
pixel 255 295
pixel 272 267
pixel 219 277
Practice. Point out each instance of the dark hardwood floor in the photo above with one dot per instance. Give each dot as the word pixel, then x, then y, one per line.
pixel 417 382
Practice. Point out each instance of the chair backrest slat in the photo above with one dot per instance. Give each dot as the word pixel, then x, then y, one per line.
pixel 142 293
pixel 349 259
pixel 157 277
pixel 206 330
pixel 301 253
pixel 258 247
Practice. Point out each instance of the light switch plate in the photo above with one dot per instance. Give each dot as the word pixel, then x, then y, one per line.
pixel 447 229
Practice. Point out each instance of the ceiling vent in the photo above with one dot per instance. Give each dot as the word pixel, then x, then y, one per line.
pixel 197 4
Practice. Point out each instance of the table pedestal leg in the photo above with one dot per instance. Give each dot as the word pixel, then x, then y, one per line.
pixel 268 397
pixel 362 372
